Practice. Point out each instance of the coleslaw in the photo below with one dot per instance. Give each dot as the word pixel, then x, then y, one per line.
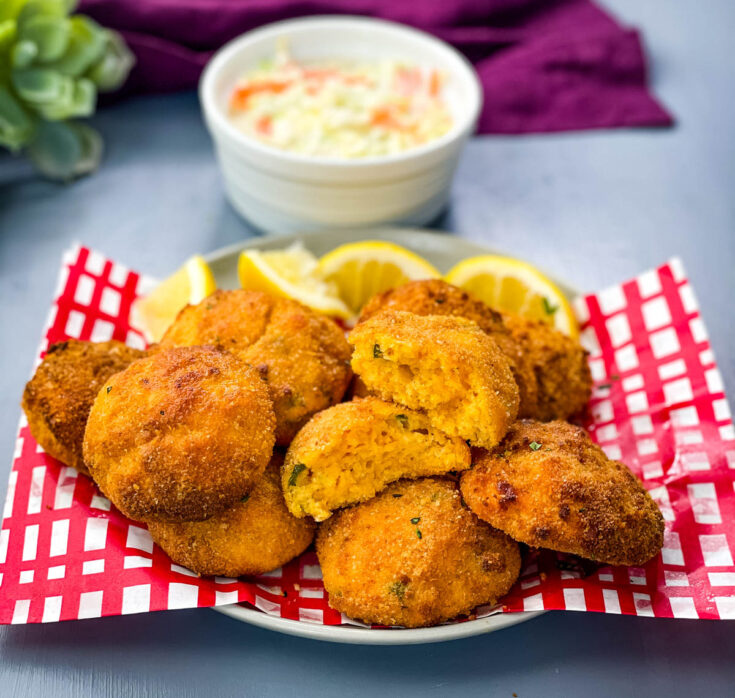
pixel 338 108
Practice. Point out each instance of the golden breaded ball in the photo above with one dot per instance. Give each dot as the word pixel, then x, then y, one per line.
pixel 303 356
pixel 547 485
pixel 560 365
pixel 254 536
pixel 350 452
pixel 444 366
pixel 414 556
pixel 180 435
pixel 58 398
pixel 437 297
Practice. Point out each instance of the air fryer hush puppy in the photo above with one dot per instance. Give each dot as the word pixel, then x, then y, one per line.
pixel 180 435
pixel 58 398
pixel 301 355
pixel 350 452
pixel 446 367
pixel 550 368
pixel 549 486
pixel 564 382
pixel 254 536
pixel 414 556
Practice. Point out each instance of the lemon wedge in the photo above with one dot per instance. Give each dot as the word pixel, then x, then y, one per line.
pixel 192 283
pixel 291 273
pixel 359 270
pixel 510 285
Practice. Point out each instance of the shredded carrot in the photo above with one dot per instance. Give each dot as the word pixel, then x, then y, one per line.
pixel 435 83
pixel 242 94
pixel 264 125
pixel 384 116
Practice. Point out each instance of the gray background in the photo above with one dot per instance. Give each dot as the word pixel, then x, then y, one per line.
pixel 594 208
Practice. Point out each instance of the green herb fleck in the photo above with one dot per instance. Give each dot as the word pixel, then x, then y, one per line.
pixel 467 441
pixel 615 377
pixel 548 308
pixel 297 470
pixel 604 386
pixel 397 496
pixel 377 351
pixel 440 300
pixel 109 388
pixel 162 413
pixel 415 519
pixel 418 534
pixel 534 445
pixel 245 498
pixel 403 420
pixel 209 306
pixel 582 510
pixel 399 589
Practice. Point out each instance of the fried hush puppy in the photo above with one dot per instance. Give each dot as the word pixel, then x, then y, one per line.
pixel 254 536
pixel 550 368
pixel 445 367
pixel 350 452
pixel 302 356
pixel 414 556
pixel 437 297
pixel 58 398
pixel 549 486
pixel 560 365
pixel 180 435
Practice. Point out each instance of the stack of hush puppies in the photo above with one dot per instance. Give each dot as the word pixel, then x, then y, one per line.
pixel 230 440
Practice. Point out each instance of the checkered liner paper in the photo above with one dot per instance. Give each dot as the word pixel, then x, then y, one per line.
pixel 658 405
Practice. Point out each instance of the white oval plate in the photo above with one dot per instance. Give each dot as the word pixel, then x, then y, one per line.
pixel 443 251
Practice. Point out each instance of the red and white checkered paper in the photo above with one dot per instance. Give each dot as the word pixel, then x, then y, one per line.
pixel 659 406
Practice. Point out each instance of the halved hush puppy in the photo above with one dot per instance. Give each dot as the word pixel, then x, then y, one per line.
pixel 180 435
pixel 414 556
pixel 549 486
pixel 437 297
pixel 446 367
pixel 58 398
pixel 302 356
pixel 254 536
pixel 351 451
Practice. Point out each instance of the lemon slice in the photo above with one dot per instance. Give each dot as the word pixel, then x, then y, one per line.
pixel 192 283
pixel 291 273
pixel 361 269
pixel 510 285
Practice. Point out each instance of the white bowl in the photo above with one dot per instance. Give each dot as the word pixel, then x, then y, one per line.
pixel 284 192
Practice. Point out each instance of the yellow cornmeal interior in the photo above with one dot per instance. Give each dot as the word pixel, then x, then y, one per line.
pixel 350 452
pixel 464 394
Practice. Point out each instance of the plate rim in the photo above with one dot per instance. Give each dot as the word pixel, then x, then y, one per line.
pixel 348 634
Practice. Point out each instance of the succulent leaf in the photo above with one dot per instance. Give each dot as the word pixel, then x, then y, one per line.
pixel 23 53
pixel 41 85
pixel 113 67
pixel 49 34
pixel 63 151
pixel 86 44
pixel 16 126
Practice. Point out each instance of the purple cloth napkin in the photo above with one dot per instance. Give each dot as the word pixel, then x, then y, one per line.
pixel 545 65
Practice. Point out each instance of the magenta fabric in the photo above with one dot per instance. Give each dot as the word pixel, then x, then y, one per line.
pixel 545 65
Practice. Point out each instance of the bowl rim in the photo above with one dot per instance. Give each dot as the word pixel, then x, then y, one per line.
pixel 220 125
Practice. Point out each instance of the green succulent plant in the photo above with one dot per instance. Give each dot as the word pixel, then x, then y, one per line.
pixel 52 65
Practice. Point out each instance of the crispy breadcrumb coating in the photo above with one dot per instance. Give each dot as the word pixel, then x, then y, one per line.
pixel 414 556
pixel 253 536
pixel 549 486
pixel 446 367
pixel 180 435
pixel 350 452
pixel 58 398
pixel 303 356
pixel 564 382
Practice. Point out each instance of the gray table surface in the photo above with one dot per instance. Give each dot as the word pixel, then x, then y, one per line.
pixel 594 208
